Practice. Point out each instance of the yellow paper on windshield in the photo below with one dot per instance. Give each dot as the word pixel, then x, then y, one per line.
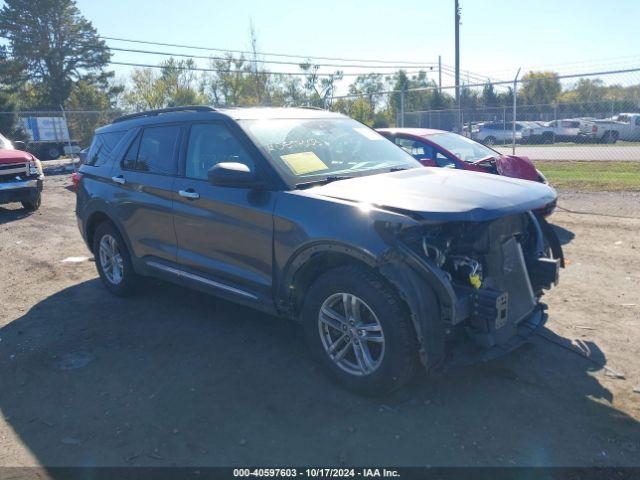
pixel 303 162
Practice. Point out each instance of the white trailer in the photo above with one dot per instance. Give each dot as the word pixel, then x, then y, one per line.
pixel 49 137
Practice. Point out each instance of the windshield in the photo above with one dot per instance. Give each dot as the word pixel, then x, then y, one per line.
pixel 464 148
pixel 5 143
pixel 312 149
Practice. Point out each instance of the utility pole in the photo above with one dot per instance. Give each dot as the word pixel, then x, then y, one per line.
pixel 457 19
pixel 440 74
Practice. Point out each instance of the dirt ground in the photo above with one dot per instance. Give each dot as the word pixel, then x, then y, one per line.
pixel 175 377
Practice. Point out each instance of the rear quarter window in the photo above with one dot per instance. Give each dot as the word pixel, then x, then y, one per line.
pixel 102 146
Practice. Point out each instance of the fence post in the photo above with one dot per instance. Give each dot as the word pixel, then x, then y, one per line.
pixel 64 115
pixel 402 92
pixel 555 119
pixel 513 130
pixel 504 124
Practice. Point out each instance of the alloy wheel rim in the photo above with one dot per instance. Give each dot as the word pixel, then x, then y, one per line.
pixel 111 259
pixel 351 334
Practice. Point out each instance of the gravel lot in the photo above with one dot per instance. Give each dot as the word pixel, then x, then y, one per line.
pixel 174 377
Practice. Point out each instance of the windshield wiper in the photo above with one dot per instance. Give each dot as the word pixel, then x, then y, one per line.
pixel 397 169
pixel 323 181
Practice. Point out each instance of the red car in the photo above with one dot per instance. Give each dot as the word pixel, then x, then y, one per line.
pixel 438 148
pixel 21 176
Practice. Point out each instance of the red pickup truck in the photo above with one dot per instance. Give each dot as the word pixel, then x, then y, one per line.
pixel 21 177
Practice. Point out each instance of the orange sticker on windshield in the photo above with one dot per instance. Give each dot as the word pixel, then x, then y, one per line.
pixel 303 163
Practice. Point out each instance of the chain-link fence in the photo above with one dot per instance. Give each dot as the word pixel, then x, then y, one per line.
pixel 587 139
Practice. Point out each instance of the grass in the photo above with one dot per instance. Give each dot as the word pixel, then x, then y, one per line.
pixel 619 143
pixel 610 176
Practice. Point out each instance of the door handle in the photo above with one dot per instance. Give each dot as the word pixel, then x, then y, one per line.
pixel 119 179
pixel 190 194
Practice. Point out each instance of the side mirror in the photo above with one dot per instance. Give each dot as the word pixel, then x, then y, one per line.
pixel 18 145
pixel 231 174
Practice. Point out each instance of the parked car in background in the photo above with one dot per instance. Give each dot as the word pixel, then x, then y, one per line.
pixel 598 130
pixel 21 176
pixel 313 216
pixel 628 126
pixel 492 133
pixel 536 132
pixel 565 130
pixel 438 148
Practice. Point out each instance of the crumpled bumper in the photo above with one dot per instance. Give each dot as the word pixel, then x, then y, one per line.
pixel 467 353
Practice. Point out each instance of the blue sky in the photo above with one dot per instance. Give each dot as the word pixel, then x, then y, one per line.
pixel 497 36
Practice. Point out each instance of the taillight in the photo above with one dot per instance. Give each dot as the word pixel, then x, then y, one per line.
pixel 594 129
pixel 76 178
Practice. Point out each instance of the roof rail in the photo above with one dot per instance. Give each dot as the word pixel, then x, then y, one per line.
pixel 310 107
pixel 160 111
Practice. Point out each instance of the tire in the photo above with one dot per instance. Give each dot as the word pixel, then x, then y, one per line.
pixel 53 153
pixel 547 139
pixel 32 205
pixel 392 361
pixel 125 282
pixel 489 141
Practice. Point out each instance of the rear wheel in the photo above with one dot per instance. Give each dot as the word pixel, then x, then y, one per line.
pixel 113 260
pixel 490 141
pixel 358 329
pixel 53 153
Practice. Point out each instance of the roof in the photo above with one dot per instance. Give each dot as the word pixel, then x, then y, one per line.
pixel 417 132
pixel 257 113
pixel 200 112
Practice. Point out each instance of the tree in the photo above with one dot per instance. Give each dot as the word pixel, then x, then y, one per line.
pixel 90 107
pixel 53 44
pixel 370 87
pixel 176 84
pixel 8 120
pixel 489 98
pixel 319 89
pixel 540 88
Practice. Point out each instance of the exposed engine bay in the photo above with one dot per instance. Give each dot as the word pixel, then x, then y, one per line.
pixel 498 270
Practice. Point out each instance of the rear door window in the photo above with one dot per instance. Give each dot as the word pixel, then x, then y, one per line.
pixel 154 151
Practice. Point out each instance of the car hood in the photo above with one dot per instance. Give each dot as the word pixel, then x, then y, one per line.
pixel 14 156
pixel 516 167
pixel 442 194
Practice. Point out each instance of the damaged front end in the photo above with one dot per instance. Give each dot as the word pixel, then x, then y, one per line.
pixel 473 288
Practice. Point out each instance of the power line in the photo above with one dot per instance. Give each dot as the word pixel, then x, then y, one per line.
pixel 201 69
pixel 279 62
pixel 501 82
pixel 287 55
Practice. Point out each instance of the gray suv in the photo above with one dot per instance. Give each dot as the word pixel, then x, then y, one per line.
pixel 310 215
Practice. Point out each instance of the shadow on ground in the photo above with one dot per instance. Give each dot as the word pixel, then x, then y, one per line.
pixel 565 236
pixel 173 377
pixel 12 214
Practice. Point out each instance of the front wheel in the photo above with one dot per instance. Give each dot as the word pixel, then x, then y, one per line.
pixel 489 141
pixel 32 205
pixel 358 329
